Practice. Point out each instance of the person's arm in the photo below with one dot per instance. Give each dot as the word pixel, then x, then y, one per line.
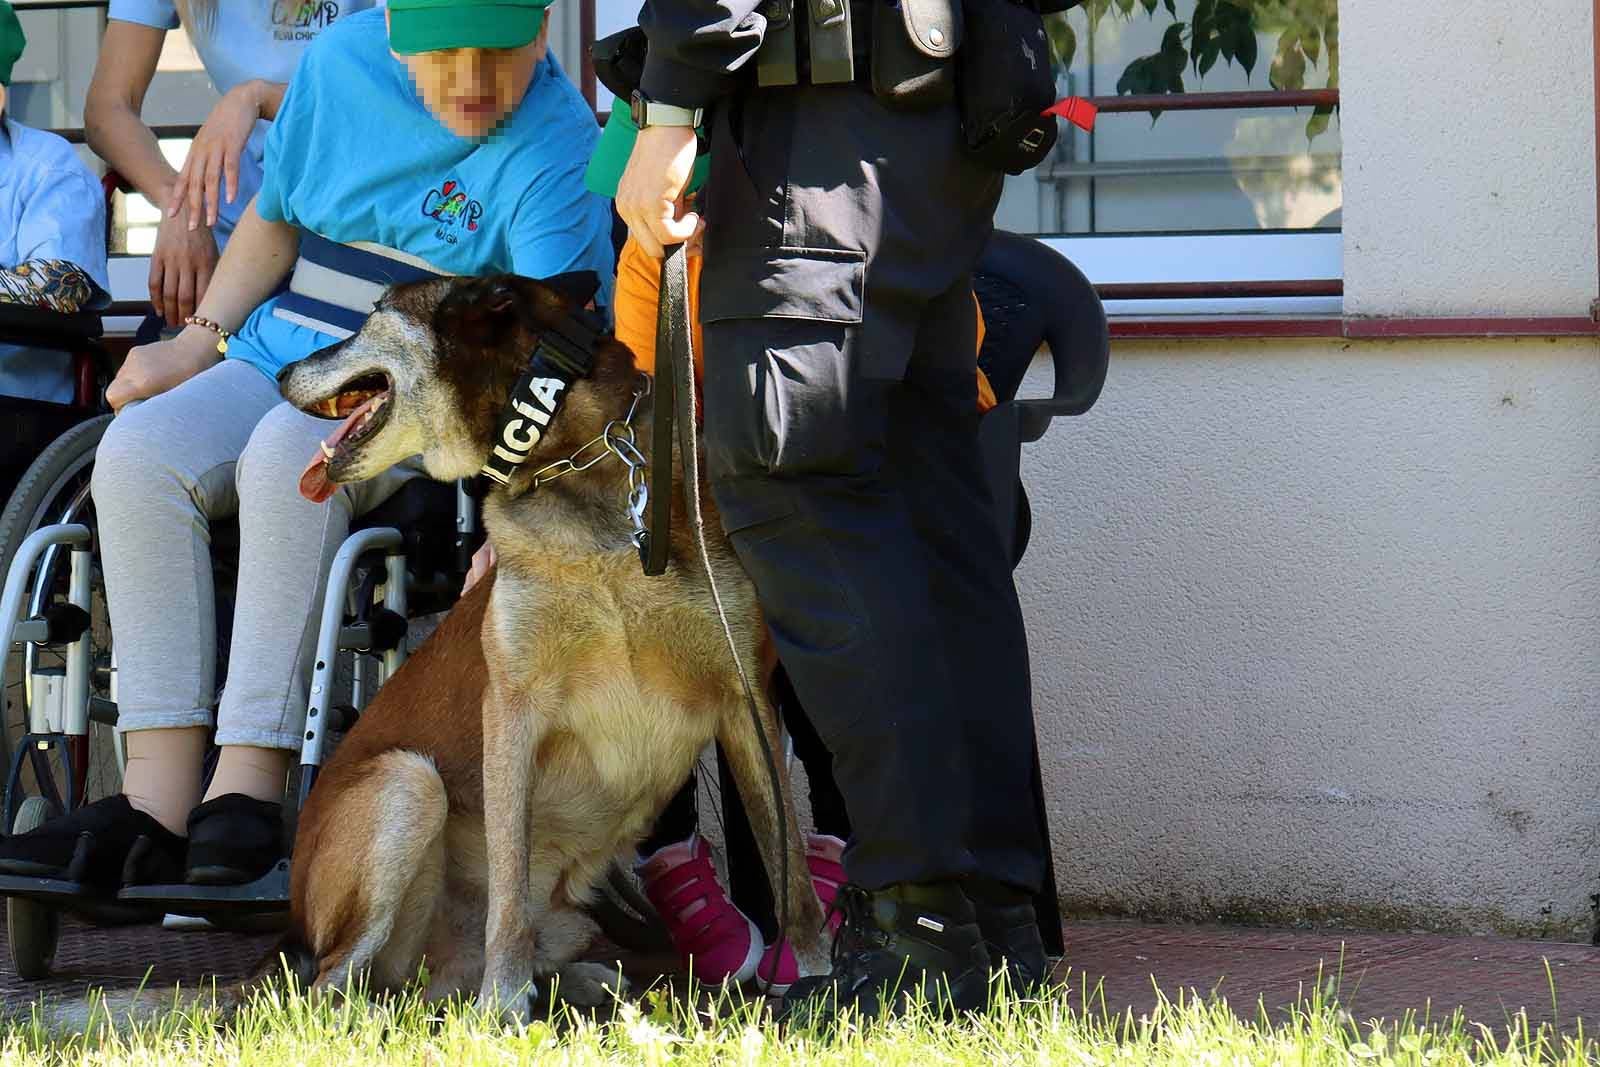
pixel 258 258
pixel 112 109
pixel 64 218
pixel 184 256
pixel 696 46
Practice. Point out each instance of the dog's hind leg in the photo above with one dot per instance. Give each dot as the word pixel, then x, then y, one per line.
pixel 771 817
pixel 370 898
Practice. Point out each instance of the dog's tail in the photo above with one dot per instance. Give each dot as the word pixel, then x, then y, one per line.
pixel 290 961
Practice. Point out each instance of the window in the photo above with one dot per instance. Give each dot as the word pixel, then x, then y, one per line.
pixel 1272 168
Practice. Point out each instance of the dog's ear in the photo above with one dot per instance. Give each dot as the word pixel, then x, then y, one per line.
pixel 479 313
pixel 578 287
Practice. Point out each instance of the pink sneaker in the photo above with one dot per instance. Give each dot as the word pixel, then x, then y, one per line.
pixel 824 854
pixel 715 939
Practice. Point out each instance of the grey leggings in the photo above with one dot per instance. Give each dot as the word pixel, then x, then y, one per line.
pixel 219 445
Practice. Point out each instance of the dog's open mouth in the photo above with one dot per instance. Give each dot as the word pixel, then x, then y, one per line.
pixel 363 405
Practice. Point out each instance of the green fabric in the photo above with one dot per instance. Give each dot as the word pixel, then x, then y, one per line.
pixel 616 144
pixel 436 25
pixel 12 41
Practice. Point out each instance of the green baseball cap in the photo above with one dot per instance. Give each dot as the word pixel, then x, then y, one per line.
pixel 12 41
pixel 610 157
pixel 436 25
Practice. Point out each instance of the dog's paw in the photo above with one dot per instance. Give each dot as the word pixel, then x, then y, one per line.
pixel 512 1005
pixel 588 985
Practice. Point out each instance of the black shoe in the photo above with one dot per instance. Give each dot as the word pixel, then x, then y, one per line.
pixel 93 845
pixel 897 943
pixel 1011 934
pixel 234 839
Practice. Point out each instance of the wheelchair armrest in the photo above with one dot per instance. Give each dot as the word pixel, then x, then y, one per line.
pixel 22 324
pixel 1074 325
pixel 1080 350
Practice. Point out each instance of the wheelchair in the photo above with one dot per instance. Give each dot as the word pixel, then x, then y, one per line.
pixel 407 558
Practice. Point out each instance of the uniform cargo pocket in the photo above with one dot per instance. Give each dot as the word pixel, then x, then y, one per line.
pixel 815 284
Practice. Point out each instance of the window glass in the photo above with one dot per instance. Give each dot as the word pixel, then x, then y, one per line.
pixel 1186 171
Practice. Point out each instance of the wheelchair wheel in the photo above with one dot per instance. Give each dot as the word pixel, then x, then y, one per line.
pixel 32 929
pixel 55 489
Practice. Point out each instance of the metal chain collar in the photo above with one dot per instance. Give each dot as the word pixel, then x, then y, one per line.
pixel 616 439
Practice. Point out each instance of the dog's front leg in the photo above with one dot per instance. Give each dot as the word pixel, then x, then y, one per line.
pixel 512 728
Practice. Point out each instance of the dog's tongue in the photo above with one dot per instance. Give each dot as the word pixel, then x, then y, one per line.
pixel 315 485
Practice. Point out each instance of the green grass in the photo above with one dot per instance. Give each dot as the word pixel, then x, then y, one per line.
pixel 280 1029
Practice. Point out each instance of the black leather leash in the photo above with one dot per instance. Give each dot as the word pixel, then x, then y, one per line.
pixel 675 400
pixel 674 344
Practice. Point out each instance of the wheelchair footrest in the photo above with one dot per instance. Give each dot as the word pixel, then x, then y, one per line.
pixel 91 903
pixel 269 893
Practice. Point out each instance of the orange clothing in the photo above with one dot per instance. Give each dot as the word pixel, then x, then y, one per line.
pixel 638 295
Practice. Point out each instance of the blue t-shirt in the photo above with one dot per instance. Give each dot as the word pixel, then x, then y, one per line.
pixel 355 156
pixel 244 40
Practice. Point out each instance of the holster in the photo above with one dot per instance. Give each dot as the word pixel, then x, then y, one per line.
pixel 914 43
pixel 1006 83
pixel 830 57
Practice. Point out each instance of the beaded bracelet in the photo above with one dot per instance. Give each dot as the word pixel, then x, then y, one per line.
pixel 214 327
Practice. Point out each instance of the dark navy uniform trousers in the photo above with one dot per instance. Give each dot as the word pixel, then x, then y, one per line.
pixel 841 442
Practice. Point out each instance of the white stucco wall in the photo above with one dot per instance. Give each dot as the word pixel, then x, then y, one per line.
pixel 1469 157
pixel 1316 634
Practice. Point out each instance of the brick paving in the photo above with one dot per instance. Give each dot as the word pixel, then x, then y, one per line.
pixel 1378 975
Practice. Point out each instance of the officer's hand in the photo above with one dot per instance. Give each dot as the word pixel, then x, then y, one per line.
pixel 656 175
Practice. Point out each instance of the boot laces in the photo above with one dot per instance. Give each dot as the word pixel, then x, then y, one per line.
pixel 858 936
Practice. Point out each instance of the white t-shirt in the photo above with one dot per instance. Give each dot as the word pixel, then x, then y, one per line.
pixel 245 39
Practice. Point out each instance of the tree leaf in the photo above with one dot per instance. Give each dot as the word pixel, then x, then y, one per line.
pixel 1150 6
pixel 1063 41
pixel 1246 50
pixel 1125 6
pixel 1289 64
pixel 1172 8
pixel 1318 124
pixel 1311 44
pixel 1208 58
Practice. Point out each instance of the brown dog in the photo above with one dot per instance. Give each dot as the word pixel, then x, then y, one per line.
pixel 430 839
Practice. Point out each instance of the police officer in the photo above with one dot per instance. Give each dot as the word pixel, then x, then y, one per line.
pixel 841 440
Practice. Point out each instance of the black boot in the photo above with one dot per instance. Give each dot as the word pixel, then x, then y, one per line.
pixel 92 845
pixel 896 943
pixel 234 839
pixel 1011 934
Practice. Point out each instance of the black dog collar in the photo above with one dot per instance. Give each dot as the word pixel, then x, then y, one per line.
pixel 564 354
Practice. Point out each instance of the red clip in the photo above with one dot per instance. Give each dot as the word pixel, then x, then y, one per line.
pixel 1076 110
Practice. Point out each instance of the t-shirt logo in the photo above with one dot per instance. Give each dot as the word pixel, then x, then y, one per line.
pixel 455 211
pixel 300 20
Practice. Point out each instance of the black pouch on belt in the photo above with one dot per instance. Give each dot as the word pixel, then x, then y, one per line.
pixel 913 45
pixel 1005 82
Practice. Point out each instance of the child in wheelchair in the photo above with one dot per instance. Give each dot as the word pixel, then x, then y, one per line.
pixel 428 138
pixel 52 237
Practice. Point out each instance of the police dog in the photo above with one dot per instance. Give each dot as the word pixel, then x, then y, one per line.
pixel 601 685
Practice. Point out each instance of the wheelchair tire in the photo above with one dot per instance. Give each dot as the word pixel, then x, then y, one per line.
pixel 32 929
pixel 41 497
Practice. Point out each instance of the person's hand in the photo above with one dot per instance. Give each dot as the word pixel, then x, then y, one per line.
pixel 648 194
pixel 212 166
pixel 180 267
pixel 153 369
pixel 482 563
